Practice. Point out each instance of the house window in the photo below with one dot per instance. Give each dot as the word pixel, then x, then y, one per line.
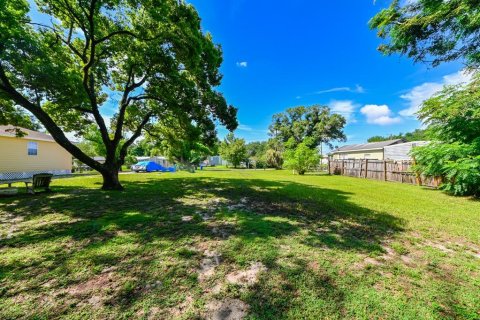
pixel 32 148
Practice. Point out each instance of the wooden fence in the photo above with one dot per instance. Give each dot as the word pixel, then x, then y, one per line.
pixel 386 170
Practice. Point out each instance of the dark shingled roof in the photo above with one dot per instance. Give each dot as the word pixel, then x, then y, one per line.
pixel 367 146
pixel 9 131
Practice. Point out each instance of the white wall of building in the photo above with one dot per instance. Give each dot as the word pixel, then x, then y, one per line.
pixel 401 151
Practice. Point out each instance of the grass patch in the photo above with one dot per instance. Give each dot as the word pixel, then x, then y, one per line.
pixel 261 244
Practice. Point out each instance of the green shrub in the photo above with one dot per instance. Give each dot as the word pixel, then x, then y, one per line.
pixel 458 164
pixel 302 158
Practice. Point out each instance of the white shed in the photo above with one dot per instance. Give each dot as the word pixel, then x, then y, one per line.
pixel 401 151
pixel 216 161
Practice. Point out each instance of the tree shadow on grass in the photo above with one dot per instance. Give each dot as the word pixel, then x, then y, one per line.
pixel 100 224
pixel 320 299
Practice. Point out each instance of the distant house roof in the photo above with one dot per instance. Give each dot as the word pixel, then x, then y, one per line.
pixel 367 146
pixel 10 131
pixel 150 158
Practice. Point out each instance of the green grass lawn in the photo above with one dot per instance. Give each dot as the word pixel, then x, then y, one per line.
pixel 231 243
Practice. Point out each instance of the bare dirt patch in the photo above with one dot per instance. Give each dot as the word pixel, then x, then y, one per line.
pixel 202 246
pixel 97 289
pixel 440 246
pixel 389 255
pixel 368 261
pixel 246 277
pixel 181 308
pixel 229 309
pixel 407 259
pixel 14 222
pixel 151 314
pixel 222 231
pixel 187 218
pixel 314 265
pixel 94 284
pixel 208 264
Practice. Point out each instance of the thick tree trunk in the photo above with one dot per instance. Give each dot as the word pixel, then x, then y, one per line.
pixel 190 167
pixel 110 180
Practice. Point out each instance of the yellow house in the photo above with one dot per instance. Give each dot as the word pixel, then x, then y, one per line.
pixel 373 150
pixel 35 152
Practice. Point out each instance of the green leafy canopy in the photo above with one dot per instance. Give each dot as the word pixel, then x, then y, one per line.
pixel 316 123
pixel 416 135
pixel 302 158
pixel 234 150
pixel 432 31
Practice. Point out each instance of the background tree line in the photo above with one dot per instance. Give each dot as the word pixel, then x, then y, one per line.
pixel 416 135
pixel 296 139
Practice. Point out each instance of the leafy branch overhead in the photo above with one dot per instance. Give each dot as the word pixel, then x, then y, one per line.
pixel 144 59
pixel 432 31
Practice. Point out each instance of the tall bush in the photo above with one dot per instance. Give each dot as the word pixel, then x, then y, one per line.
pixel 453 119
pixel 302 158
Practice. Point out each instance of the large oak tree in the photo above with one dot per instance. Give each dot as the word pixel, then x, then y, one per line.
pixel 316 123
pixel 146 59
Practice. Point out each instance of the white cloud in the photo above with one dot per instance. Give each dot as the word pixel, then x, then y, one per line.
pixel 416 96
pixel 356 89
pixel 242 64
pixel 243 127
pixel 359 89
pixel 345 108
pixel 379 114
pixel 337 89
pixel 248 130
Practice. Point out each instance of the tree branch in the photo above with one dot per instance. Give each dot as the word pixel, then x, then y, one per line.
pixel 66 42
pixel 145 97
pixel 129 87
pixel 123 107
pixel 73 14
pixel 47 121
pixel 154 135
pixel 89 82
pixel 136 134
pixel 81 109
pixel 119 32
pixel 125 32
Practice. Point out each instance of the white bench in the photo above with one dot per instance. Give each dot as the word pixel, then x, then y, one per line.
pixel 40 180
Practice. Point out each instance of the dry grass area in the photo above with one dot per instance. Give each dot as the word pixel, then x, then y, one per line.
pixel 239 244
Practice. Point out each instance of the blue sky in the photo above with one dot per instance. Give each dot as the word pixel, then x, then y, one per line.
pixel 280 54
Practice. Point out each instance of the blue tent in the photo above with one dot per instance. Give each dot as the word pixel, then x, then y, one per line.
pixel 150 166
